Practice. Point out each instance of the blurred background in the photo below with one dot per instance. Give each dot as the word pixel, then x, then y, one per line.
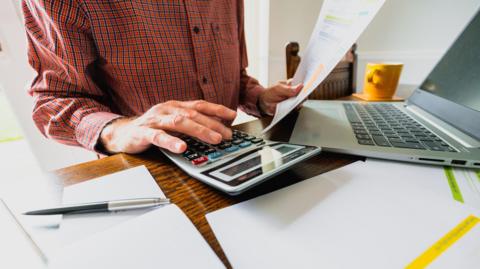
pixel 415 32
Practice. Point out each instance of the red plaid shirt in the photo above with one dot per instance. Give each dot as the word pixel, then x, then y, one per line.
pixel 100 60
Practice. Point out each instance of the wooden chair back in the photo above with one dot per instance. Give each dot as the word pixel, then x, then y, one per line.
pixel 339 83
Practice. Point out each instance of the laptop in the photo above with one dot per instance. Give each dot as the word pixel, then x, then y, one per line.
pixel 438 124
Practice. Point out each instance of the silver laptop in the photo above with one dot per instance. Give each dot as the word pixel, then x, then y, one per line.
pixel 438 124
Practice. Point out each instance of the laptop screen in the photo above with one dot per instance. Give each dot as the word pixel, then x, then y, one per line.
pixel 451 91
pixel 457 76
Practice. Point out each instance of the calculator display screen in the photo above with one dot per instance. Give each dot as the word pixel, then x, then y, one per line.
pixel 248 166
pixel 285 149
pixel 237 169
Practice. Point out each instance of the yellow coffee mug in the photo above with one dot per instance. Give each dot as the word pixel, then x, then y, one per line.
pixel 381 80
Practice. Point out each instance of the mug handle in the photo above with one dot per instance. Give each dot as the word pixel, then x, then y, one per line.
pixel 372 76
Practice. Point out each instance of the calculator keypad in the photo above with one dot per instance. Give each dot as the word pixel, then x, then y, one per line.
pixel 200 153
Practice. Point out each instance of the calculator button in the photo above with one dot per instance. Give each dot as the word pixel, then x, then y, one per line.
pixel 232 149
pixel 202 148
pixel 187 153
pixel 195 144
pixel 245 144
pixel 193 156
pixel 224 145
pixel 214 155
pixel 200 160
pixel 237 141
pixel 249 138
pixel 210 150
pixel 257 140
pixel 241 135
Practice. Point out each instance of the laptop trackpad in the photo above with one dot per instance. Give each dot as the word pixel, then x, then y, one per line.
pixel 322 124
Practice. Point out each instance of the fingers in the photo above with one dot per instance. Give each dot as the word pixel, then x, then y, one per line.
pixel 286 91
pixel 210 109
pixel 182 124
pixel 211 123
pixel 161 139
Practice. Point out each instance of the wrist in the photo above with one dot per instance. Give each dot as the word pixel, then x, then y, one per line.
pixel 262 106
pixel 110 133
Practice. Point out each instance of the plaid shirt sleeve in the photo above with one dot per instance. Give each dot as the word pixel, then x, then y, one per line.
pixel 69 107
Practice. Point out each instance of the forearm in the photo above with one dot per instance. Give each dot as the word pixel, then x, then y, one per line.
pixel 71 121
pixel 250 92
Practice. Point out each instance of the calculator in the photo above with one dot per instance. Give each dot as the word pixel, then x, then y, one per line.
pixel 236 165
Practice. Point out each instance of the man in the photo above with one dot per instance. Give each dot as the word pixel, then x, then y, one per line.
pixel 120 76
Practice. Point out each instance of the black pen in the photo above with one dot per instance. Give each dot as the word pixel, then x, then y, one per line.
pixel 107 206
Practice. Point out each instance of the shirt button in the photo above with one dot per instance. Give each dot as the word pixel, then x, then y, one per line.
pixel 205 80
pixel 196 29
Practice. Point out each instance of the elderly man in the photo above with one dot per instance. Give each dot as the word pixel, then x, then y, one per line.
pixel 120 76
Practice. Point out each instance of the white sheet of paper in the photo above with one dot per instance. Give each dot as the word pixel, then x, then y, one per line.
pixel 162 238
pixel 16 249
pixel 128 184
pixel 353 217
pixel 339 25
pixel 434 178
pixel 39 191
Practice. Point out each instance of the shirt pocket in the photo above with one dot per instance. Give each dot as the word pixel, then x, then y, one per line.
pixel 228 52
pixel 226 32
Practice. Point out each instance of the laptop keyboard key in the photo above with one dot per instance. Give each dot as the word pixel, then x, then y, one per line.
pixel 407 145
pixel 360 131
pixel 366 142
pixel 362 136
pixel 380 141
pixel 434 146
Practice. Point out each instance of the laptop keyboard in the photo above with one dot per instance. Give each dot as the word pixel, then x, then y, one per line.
pixel 385 125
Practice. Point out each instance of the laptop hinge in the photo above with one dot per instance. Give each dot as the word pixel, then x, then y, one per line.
pixel 444 127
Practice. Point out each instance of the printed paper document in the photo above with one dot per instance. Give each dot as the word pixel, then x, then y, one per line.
pixel 339 25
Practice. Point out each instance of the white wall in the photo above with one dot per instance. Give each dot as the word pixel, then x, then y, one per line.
pixel 414 32
pixel 289 21
pixel 15 76
pixel 256 33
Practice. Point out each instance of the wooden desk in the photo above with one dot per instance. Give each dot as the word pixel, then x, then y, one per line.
pixel 195 198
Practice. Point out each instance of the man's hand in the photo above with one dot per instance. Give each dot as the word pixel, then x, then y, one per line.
pixel 198 119
pixel 269 99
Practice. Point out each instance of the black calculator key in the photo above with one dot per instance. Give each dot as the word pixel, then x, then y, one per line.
pixel 193 156
pixel 224 145
pixel 202 148
pixel 249 138
pixel 188 152
pixel 195 144
pixel 237 141
pixel 209 151
pixel 257 140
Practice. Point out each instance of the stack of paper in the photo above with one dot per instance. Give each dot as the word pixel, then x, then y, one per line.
pixel 154 238
pixel 163 238
pixel 360 216
pixel 129 184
